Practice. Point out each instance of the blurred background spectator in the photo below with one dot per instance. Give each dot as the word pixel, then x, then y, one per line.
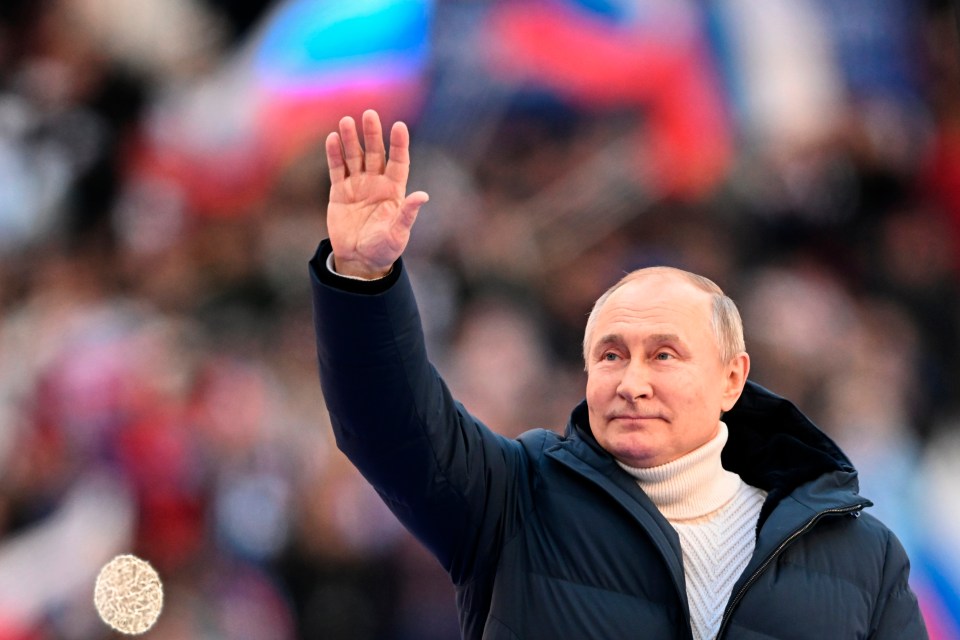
pixel 162 185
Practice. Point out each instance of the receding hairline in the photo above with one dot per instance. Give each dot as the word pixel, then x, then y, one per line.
pixel 721 303
pixel 700 282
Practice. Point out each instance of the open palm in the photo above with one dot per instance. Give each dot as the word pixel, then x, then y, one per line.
pixel 369 216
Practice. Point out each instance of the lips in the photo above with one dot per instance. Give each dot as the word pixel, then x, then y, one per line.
pixel 637 417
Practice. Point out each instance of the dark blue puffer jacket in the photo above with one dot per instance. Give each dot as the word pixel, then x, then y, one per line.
pixel 546 536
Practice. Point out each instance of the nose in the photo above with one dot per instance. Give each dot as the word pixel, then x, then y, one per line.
pixel 635 383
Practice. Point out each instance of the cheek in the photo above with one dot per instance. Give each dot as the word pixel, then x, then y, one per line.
pixel 687 393
pixel 697 396
pixel 601 385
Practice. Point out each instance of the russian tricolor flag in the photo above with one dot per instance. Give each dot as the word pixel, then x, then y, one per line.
pixel 311 61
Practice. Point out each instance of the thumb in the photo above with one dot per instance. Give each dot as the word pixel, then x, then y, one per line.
pixel 411 207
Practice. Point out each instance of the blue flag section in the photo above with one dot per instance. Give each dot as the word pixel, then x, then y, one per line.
pixel 321 47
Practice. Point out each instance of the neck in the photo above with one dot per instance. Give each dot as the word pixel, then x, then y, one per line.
pixel 692 486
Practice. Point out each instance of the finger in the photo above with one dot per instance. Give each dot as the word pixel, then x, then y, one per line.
pixel 338 170
pixel 352 153
pixel 411 207
pixel 398 166
pixel 375 157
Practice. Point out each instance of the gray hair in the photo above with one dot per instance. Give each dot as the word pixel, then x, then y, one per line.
pixel 725 320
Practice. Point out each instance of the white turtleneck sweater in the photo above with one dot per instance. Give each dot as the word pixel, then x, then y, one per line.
pixel 715 514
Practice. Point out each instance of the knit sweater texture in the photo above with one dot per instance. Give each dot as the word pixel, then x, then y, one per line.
pixel 715 515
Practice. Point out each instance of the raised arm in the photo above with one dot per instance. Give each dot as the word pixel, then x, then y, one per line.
pixel 370 214
pixel 453 482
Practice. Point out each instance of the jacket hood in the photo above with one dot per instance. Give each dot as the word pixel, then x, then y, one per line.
pixel 772 445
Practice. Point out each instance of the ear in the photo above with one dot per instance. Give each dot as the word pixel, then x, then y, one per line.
pixel 735 377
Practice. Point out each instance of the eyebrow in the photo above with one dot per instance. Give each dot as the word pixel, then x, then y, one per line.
pixel 661 338
pixel 610 338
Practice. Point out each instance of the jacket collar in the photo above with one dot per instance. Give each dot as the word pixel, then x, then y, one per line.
pixel 772 445
pixel 581 453
pixel 775 447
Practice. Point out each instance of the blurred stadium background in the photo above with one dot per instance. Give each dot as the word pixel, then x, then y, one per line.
pixel 162 185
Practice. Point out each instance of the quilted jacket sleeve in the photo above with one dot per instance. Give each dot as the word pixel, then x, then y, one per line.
pixel 448 478
pixel 898 613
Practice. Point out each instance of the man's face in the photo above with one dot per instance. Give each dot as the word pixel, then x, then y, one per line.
pixel 655 383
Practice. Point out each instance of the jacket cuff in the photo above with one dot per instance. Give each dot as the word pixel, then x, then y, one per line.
pixel 318 267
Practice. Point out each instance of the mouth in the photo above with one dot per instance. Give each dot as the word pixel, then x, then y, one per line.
pixel 631 417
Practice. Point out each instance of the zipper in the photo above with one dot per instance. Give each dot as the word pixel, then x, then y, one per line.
pixel 728 612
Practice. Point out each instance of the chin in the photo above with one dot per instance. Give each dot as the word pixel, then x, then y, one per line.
pixel 634 456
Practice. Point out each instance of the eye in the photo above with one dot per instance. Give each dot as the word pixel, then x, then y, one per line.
pixel 664 355
pixel 609 356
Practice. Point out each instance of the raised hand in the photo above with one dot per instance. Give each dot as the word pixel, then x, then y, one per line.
pixel 370 214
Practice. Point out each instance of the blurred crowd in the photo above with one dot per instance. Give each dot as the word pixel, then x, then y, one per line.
pixel 158 385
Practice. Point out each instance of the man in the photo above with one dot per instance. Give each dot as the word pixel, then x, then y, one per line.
pixel 628 525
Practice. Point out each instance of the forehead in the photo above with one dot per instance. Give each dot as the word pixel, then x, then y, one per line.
pixel 656 302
